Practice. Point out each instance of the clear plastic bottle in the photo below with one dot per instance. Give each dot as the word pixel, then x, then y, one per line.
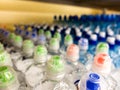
pixel 58 36
pixel 48 35
pixel 27 48
pixel 41 40
pixel 54 46
pixel 84 55
pixel 40 54
pixel 8 79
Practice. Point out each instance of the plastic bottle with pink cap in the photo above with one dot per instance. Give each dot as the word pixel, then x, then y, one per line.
pixel 76 69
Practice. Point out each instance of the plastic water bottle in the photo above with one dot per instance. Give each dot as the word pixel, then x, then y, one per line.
pixel 34 37
pixel 41 32
pixel 111 42
pixel 58 36
pixel 8 79
pixel 12 36
pixel 92 81
pixel 54 46
pixel 93 42
pixel 28 48
pixel 41 40
pixel 40 54
pixel 48 35
pixel 102 36
pixel 76 69
pixel 84 55
pixel 18 42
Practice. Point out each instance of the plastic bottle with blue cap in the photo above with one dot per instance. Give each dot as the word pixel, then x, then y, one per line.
pixel 102 36
pixel 84 55
pixel 34 37
pixel 92 81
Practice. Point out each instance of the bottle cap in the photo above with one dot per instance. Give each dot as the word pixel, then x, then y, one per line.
pixel 102 48
pixel 72 50
pixel 12 36
pixel 40 50
pixel 97 30
pixel 93 83
pixel 6 76
pixel 68 39
pixel 41 32
pixel 102 34
pixel 57 35
pixel 55 64
pixel 111 40
pixel 93 37
pixel 18 38
pixel 83 44
pixel 118 37
pixel 28 44
pixel 48 34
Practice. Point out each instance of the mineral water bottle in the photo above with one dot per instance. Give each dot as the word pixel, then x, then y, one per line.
pixel 68 40
pixel 58 36
pixel 48 35
pixel 93 42
pixel 76 69
pixel 84 55
pixel 111 42
pixel 28 48
pixel 34 37
pixel 117 46
pixel 12 36
pixel 102 36
pixel 92 81
pixel 18 42
pixel 55 72
pixel 40 54
pixel 102 47
pixel 8 79
pixel 54 46
pixel 41 40
pixel 41 32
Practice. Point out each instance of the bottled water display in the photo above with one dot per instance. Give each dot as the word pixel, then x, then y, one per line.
pixel 74 54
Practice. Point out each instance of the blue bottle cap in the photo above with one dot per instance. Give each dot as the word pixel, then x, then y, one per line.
pixel 26 33
pixel 6 34
pixel 34 35
pixel 93 83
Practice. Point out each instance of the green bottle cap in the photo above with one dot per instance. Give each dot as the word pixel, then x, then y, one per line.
pixel 28 44
pixel 55 64
pixel 57 35
pixel 54 42
pixel 18 38
pixel 102 47
pixel 68 38
pixel 41 31
pixel 12 36
pixel 6 75
pixel 41 50
pixel 48 34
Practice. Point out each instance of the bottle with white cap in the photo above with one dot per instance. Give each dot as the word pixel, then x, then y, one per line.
pixel 54 46
pixel 55 75
pixel 110 32
pixel 88 34
pixel 28 48
pixel 97 30
pixel 84 55
pixel 8 79
pixel 40 54
pixel 92 81
pixel 102 36
pixel 92 43
pixel 111 42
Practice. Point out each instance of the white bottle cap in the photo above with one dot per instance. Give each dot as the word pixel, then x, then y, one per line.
pixel 77 30
pixel 79 34
pixel 111 40
pixel 118 37
pixel 68 31
pixel 89 32
pixel 52 28
pixel 102 34
pixel 81 26
pixel 93 37
pixel 97 30
pixel 110 32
